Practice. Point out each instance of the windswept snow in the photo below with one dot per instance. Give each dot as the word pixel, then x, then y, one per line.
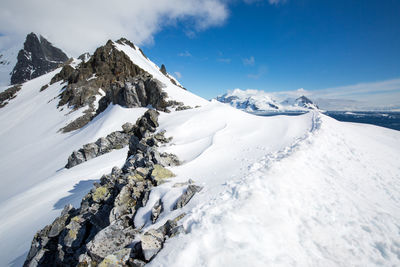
pixel 277 191
pixel 331 198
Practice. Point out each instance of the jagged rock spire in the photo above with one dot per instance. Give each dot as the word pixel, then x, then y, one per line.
pixel 38 57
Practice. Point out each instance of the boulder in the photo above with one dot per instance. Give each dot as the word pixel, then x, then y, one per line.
pixel 118 258
pixel 156 211
pixel 74 159
pixel 159 174
pixel 127 127
pixel 90 151
pixel 187 196
pixel 104 145
pixel 151 243
pixel 59 223
pixel 100 194
pixel 110 240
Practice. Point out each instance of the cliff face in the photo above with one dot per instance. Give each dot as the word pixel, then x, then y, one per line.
pixel 38 57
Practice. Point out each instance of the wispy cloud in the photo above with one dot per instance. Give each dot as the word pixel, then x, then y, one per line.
pixel 185 54
pixel 249 61
pixel 372 95
pixel 261 71
pixel 224 60
pixel 178 75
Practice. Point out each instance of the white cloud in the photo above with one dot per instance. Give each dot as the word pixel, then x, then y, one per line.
pixel 78 26
pixel 178 75
pixel 249 61
pixel 362 96
pixel 261 71
pixel 185 54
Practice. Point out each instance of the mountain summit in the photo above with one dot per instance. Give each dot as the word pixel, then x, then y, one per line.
pixel 38 57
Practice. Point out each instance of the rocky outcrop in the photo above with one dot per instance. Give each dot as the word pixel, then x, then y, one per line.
pixel 124 83
pixel 38 57
pixel 102 232
pixel 305 102
pixel 187 196
pixel 144 126
pixel 9 94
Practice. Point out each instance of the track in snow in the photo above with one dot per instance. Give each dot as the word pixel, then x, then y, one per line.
pixel 317 202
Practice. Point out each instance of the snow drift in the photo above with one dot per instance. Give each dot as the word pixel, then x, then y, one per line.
pixel 277 191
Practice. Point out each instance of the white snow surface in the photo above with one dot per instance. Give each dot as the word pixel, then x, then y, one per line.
pixel 277 191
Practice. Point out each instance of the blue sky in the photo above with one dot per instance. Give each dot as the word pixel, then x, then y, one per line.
pixel 290 45
pixel 332 48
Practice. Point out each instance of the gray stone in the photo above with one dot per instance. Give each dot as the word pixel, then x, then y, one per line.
pixel 151 244
pixel 90 151
pixel 104 145
pixel 156 210
pixel 187 196
pixel 76 158
pixel 127 127
pixel 59 223
pixel 109 240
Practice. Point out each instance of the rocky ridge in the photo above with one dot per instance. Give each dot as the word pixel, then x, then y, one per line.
pixel 38 57
pixel 9 94
pixel 118 140
pixel 121 80
pixel 102 231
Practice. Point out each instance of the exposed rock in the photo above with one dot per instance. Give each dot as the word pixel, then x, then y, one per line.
pixel 110 240
pixel 79 122
pixel 187 196
pixel 151 243
pixel 156 210
pixel 127 127
pixel 159 174
pixel 102 231
pixel 118 258
pixel 59 223
pixel 84 57
pixel 132 134
pixel 38 57
pixel 183 108
pixel 8 94
pixel 163 69
pixel 100 194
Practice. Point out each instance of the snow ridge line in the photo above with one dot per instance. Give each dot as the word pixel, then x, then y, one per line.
pixel 205 215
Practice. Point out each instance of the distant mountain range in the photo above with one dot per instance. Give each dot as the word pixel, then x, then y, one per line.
pixel 254 101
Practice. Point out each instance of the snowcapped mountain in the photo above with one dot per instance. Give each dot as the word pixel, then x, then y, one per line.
pixel 255 101
pixel 159 176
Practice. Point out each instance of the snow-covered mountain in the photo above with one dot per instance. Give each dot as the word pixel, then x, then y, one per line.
pixel 185 181
pixel 255 101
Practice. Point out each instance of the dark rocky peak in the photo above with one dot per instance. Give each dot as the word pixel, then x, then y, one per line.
pixel 305 103
pixel 163 69
pixel 38 57
pixel 123 82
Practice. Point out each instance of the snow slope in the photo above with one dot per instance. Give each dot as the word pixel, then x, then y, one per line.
pixel 330 198
pixel 278 191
